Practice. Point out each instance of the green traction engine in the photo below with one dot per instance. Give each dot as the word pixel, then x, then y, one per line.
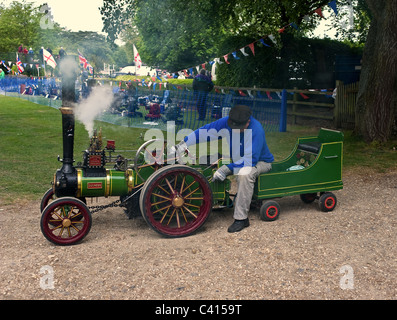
pixel 175 200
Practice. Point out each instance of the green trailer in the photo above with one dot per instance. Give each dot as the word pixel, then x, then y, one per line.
pixel 312 170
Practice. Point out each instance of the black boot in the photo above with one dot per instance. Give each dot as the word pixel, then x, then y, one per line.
pixel 238 225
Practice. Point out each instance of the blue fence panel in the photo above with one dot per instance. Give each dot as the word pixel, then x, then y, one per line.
pixel 144 107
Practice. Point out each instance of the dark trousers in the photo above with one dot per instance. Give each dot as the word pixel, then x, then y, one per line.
pixel 201 105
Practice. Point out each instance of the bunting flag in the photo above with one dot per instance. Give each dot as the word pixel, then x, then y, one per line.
pixel 263 42
pixel 332 4
pixel 234 53
pixel 243 52
pixel 303 96
pixel 5 66
pixel 272 38
pixel 19 65
pixel 319 12
pixel 225 57
pixel 251 45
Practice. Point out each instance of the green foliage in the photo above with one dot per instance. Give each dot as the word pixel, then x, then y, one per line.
pixel 19 24
pixel 296 63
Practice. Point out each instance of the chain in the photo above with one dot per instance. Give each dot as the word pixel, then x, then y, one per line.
pixel 117 203
pixel 94 209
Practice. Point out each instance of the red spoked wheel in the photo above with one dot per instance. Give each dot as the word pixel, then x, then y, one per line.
pixel 327 202
pixel 66 221
pixel 269 211
pixel 48 197
pixel 176 201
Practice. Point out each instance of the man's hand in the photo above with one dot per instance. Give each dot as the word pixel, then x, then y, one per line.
pixel 221 174
pixel 179 149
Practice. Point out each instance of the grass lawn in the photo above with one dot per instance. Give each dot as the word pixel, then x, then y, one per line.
pixel 31 140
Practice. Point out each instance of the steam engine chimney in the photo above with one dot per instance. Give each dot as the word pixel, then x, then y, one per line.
pixel 66 179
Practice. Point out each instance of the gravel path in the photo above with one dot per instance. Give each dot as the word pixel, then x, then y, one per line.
pixel 306 254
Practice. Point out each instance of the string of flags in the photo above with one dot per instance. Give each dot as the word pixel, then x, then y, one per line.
pixel 48 59
pixel 251 46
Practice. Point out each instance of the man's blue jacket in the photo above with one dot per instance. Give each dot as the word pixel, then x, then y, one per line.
pixel 246 148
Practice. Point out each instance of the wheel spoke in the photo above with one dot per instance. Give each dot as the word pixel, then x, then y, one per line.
pixel 172 214
pixel 192 205
pixel 161 196
pixel 183 213
pixel 192 192
pixel 158 210
pixel 169 185
pixel 183 182
pixel 162 219
pixel 187 209
pixel 160 202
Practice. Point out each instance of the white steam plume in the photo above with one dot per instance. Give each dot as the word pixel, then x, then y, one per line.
pixel 99 100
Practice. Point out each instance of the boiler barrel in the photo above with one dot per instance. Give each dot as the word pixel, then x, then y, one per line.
pixel 115 183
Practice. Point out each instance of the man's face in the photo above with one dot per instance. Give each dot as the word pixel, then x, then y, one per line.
pixel 246 126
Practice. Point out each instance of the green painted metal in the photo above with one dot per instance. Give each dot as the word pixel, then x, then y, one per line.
pixel 322 170
pixel 115 183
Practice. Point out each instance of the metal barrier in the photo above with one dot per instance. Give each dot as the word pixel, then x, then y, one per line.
pixel 144 107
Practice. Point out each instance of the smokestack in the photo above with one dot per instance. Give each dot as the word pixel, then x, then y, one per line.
pixel 69 76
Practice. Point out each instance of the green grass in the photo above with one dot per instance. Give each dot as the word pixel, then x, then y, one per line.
pixel 31 140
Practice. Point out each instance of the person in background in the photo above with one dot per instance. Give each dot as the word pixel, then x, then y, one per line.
pixel 202 85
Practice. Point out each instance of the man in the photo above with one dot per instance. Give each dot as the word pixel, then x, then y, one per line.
pixel 202 85
pixel 249 153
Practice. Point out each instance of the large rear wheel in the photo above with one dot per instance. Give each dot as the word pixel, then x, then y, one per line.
pixel 176 201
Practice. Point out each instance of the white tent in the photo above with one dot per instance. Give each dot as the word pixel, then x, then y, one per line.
pixel 142 71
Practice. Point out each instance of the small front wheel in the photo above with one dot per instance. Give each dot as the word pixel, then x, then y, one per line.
pixel 269 211
pixel 66 221
pixel 327 202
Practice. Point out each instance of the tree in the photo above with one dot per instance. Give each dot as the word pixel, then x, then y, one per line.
pixel 377 96
pixel 19 24
pixel 176 35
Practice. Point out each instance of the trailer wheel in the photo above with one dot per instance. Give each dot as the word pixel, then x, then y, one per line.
pixel 269 211
pixel 176 201
pixel 327 202
pixel 66 221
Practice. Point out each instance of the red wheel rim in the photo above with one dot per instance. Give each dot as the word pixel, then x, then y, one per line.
pixel 271 212
pixel 329 203
pixel 178 202
pixel 47 198
pixel 64 222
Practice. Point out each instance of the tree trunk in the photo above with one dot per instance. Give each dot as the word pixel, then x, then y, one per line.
pixel 377 96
